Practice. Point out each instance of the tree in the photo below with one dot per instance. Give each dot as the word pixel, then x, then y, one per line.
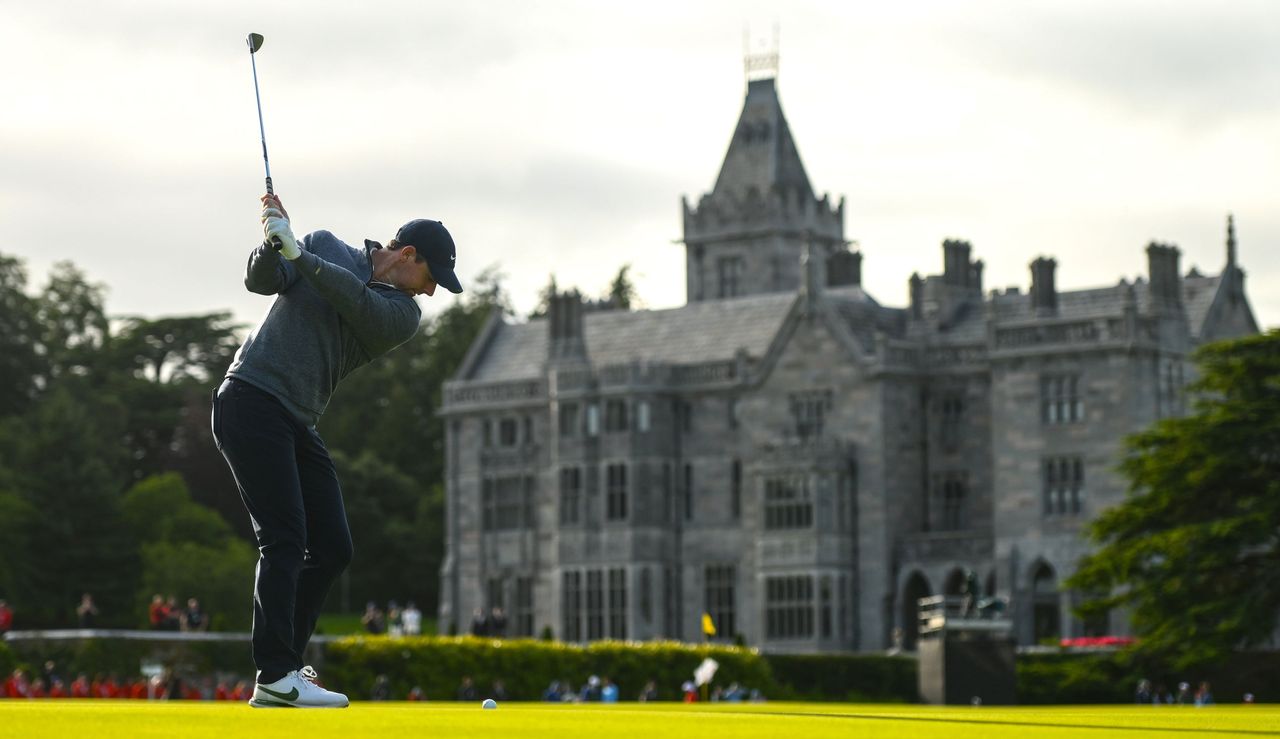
pixel 1194 550
pixel 622 291
pixel 21 359
pixel 188 551
pixel 548 291
pixel 177 349
pixel 72 315
pixel 66 464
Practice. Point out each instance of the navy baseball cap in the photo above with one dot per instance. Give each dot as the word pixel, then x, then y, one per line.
pixel 432 240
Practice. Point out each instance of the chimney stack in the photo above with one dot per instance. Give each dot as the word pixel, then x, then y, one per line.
pixel 1162 268
pixel 955 263
pixel 564 321
pixel 1044 291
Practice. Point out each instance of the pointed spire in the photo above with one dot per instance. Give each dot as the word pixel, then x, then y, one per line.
pixel 1231 240
pixel 762 155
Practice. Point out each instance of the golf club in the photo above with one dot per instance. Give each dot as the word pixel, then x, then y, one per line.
pixel 254 42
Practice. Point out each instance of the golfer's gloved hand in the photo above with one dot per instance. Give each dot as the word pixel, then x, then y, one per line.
pixel 277 230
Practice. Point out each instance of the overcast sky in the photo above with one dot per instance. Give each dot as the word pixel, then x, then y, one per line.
pixel 558 137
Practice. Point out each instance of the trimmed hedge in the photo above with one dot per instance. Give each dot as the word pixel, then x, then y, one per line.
pixel 124 657
pixel 527 667
pixel 858 678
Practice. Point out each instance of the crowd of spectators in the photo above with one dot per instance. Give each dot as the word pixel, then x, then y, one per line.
pixel 394 621
pixel 491 624
pixel 164 614
pixel 1159 695
pixel 48 683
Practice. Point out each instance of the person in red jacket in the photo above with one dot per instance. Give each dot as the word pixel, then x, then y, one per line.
pixel 57 689
pixel 37 689
pixel 6 617
pixel 221 693
pixel 17 686
pixel 155 612
pixel 80 687
pixel 138 691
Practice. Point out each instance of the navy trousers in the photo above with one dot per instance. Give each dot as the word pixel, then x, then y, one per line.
pixel 290 487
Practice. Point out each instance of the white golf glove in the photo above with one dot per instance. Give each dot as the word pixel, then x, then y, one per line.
pixel 276 229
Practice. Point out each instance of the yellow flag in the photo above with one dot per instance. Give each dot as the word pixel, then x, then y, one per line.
pixel 708 626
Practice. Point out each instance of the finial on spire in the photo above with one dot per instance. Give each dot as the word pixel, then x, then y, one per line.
pixel 1231 240
pixel 762 62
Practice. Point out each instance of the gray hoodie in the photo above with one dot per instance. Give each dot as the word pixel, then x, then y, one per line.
pixel 322 327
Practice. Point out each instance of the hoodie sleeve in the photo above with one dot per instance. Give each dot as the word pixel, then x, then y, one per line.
pixel 381 319
pixel 267 272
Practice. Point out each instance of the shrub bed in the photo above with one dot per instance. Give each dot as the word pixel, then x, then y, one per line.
pixel 526 667
pixel 859 678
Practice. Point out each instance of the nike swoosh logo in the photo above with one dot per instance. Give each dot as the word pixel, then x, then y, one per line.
pixel 292 695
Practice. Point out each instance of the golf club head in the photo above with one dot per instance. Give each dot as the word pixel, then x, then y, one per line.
pixel 254 41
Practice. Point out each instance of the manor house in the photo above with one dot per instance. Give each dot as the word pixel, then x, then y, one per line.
pixel 789 455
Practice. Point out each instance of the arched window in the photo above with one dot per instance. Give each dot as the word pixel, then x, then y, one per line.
pixel 1046 614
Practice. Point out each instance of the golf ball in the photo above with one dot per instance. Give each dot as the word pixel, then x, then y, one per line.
pixel 489 703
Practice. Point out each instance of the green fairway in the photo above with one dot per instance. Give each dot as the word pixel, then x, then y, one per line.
pixel 67 718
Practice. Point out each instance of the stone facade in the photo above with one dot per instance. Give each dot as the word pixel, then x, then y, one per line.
pixel 790 456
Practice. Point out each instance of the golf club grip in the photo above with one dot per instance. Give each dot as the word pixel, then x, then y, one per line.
pixel 275 240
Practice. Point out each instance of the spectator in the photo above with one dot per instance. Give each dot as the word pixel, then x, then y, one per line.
pixel 590 691
pixel 155 612
pixel 690 691
pixel 553 693
pixel 242 692
pixel 467 690
pixel 381 689
pixel 1203 696
pixel 497 623
pixel 6 617
pixel 395 627
pixel 86 612
pixel 479 623
pixel 373 620
pixel 172 614
pixel 80 686
pixel 37 689
pixel 17 685
pixel 193 619
pixel 499 691
pixel 412 618
pixel 1143 693
pixel 415 694
pixel 222 692
pixel 50 672
pixel 1184 693
pixel 1248 698
pixel 650 692
pixel 608 691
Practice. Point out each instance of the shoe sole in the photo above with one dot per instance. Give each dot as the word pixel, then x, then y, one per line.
pixel 260 703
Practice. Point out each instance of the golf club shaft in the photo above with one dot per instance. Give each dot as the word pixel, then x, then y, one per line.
pixel 261 129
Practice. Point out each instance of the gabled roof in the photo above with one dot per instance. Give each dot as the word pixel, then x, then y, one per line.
pixel 698 332
pixel 762 155
pixel 1198 294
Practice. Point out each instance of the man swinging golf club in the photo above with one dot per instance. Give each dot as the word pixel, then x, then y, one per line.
pixel 336 309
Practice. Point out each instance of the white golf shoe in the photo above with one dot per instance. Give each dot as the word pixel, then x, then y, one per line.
pixel 298 689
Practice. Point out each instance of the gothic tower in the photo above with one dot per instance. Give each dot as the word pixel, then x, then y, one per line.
pixel 747 235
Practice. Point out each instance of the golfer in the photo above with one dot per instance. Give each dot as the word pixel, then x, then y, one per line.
pixel 336 309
